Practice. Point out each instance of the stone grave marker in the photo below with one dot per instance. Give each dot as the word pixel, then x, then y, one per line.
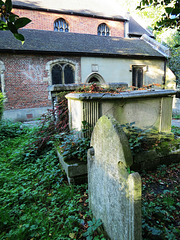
pixel 114 194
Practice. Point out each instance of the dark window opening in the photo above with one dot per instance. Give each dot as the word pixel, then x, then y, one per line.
pixel 137 77
pixel 56 74
pixel 68 74
pixel 93 80
pixel 60 25
pixel 103 30
pixel 63 73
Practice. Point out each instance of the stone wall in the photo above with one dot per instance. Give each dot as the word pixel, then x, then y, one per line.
pixel 114 193
pixel 148 109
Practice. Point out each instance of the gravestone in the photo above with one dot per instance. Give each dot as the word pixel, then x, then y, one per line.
pixel 114 194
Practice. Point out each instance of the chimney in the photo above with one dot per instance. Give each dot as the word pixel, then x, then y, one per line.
pixel 126 25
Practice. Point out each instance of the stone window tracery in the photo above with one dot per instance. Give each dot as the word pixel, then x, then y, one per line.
pixel 103 30
pixel 63 73
pixel 60 25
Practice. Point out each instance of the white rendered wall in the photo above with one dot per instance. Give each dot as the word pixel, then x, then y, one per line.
pixel 119 70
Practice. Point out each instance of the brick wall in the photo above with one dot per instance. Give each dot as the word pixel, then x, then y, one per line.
pixel 77 24
pixel 26 80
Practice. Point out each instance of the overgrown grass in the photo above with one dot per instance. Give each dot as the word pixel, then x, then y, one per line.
pixel 161 203
pixel 35 200
pixel 37 203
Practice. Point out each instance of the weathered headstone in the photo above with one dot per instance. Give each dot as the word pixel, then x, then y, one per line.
pixel 114 194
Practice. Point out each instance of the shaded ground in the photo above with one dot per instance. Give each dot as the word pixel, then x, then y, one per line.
pixel 161 203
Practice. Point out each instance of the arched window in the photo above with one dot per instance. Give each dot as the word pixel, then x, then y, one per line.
pixel 56 74
pixel 63 73
pixel 103 30
pixel 95 78
pixel 68 74
pixel 60 25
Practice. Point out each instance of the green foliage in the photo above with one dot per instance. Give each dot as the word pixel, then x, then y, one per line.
pixel 13 22
pixel 176 131
pixel 160 203
pixel 35 200
pixel 37 203
pixel 1 104
pixel 9 129
pixel 147 139
pixel 170 17
pixel 173 42
pixel 74 146
pixel 93 226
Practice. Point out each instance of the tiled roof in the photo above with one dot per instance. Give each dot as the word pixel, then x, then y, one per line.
pixel 135 29
pixel 61 43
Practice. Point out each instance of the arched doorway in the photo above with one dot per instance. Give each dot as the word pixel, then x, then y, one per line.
pixel 95 78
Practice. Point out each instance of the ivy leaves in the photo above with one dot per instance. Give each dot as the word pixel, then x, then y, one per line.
pixel 10 21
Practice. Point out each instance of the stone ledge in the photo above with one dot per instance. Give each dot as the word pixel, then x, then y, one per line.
pixel 76 171
pixel 150 160
pixel 122 95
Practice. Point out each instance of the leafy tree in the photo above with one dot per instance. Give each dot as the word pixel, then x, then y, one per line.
pixel 10 21
pixel 170 16
pixel 174 62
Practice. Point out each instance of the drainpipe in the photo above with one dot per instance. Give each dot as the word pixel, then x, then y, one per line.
pixel 164 77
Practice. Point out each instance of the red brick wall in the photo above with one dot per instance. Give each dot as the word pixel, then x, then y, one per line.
pixel 77 24
pixel 24 84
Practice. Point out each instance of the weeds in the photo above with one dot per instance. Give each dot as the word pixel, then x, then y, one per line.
pixel 37 203
pixel 161 203
pixel 35 200
pixel 149 139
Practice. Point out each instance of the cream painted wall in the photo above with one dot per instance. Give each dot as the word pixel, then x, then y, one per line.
pixel 118 70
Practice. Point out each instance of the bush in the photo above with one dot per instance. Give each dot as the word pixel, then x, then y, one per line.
pixel 1 104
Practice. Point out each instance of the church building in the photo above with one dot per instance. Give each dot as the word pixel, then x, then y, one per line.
pixel 74 42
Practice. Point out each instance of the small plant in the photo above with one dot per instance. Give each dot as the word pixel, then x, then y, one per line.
pixel 9 129
pixel 176 131
pixel 96 88
pixel 93 226
pixel 74 146
pixel 160 203
pixel 176 116
pixel 148 139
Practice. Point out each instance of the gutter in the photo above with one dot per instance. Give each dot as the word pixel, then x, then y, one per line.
pixel 164 77
pixel 79 54
pixel 156 45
